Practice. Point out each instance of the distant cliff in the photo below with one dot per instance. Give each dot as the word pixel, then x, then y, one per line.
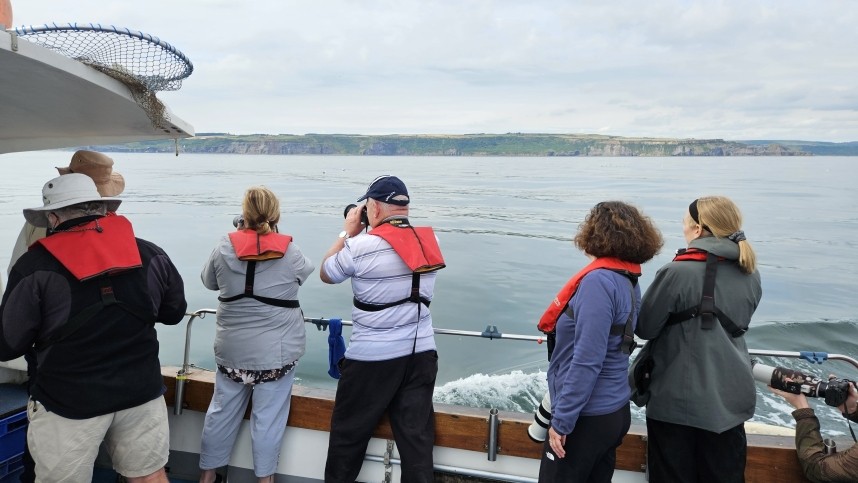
pixel 513 144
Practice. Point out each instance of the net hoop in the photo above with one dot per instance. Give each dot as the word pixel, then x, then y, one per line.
pixel 162 66
pixel 143 62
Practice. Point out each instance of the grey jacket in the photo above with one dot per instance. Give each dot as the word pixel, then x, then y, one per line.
pixel 251 334
pixel 702 378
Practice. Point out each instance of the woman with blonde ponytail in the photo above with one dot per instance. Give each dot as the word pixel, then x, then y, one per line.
pixel 695 314
pixel 260 334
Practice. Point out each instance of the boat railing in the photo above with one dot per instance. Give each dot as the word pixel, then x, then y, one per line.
pixel 814 357
pixel 491 332
pixel 182 375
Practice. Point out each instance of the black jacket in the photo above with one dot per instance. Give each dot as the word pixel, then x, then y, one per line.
pixel 110 362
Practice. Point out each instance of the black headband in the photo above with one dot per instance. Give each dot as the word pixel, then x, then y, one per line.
pixel 695 215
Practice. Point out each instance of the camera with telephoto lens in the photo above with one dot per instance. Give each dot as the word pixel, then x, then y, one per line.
pixel 238 222
pixel 364 219
pixel 834 391
pixel 538 429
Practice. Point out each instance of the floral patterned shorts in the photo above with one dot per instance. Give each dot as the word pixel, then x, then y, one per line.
pixel 252 377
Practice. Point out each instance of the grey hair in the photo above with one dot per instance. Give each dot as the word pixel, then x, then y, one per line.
pixel 389 208
pixel 87 208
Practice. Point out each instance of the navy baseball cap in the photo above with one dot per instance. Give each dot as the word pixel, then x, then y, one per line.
pixel 387 189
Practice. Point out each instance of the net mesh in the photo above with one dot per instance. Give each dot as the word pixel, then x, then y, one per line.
pixel 143 62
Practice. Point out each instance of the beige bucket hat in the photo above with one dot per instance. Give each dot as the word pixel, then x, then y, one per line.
pixel 64 191
pixel 99 167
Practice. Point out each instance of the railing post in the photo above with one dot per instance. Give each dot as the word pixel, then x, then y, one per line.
pixel 493 434
pixel 182 375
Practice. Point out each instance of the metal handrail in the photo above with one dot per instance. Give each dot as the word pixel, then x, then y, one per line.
pixel 814 357
pixel 491 331
pixel 182 375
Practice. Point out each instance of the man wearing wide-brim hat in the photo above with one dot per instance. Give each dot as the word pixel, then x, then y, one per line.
pixel 82 303
pixel 97 166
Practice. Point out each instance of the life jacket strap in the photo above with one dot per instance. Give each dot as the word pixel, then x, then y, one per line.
pixel 707 309
pixel 249 278
pixel 108 298
pixel 414 297
pixel 627 330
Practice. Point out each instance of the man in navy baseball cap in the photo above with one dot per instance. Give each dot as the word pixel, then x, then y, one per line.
pixel 387 189
pixel 391 363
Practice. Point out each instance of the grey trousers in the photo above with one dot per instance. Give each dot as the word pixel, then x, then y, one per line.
pixel 271 401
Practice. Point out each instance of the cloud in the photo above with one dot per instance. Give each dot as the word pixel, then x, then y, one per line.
pixel 677 68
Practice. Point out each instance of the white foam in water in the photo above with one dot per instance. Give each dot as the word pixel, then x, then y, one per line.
pixel 522 391
pixel 516 391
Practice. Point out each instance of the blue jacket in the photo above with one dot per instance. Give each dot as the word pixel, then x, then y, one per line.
pixel 588 373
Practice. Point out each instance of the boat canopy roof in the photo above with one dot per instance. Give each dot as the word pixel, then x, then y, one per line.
pixel 48 101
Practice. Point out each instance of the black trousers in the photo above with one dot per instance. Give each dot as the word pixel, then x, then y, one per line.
pixel 591 450
pixel 682 454
pixel 403 387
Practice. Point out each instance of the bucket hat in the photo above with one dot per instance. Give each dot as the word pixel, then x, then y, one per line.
pixel 99 167
pixel 64 191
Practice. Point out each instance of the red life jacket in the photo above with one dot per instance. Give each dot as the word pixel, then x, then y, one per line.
pixel 250 245
pixel 102 246
pixel 548 321
pixel 691 254
pixel 417 246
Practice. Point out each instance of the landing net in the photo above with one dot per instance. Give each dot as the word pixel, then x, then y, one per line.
pixel 146 64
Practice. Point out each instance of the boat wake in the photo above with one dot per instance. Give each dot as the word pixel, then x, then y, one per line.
pixel 515 391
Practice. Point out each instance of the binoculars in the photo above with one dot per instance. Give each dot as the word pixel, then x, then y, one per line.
pixel 364 219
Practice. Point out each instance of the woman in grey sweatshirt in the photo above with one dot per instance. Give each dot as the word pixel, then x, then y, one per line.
pixel 260 334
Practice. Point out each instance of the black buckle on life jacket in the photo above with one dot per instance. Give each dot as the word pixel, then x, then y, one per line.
pixel 415 288
pixel 249 279
pixel 106 289
pixel 629 344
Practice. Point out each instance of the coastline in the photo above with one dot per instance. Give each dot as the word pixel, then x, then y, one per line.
pixel 478 145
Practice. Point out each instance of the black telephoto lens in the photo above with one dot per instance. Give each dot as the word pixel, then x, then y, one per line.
pixel 348 209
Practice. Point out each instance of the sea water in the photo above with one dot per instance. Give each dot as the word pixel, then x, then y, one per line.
pixel 505 226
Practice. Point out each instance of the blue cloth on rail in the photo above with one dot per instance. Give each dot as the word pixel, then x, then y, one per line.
pixel 336 346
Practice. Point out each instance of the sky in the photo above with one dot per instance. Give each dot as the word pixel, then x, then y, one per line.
pixel 737 70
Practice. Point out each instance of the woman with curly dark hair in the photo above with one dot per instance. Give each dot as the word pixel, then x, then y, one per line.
pixel 594 316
